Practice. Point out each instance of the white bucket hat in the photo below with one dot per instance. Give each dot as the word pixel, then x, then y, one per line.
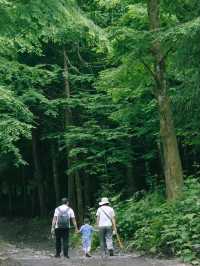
pixel 104 201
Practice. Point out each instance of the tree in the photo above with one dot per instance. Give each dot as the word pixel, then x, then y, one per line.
pixel 133 41
pixel 84 90
pixel 172 162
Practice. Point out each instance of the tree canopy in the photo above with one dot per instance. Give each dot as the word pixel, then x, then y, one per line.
pixel 96 97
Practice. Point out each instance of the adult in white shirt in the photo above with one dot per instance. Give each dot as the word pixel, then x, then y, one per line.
pixel 107 224
pixel 61 224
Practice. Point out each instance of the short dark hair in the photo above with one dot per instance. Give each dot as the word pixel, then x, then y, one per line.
pixel 64 201
pixel 86 220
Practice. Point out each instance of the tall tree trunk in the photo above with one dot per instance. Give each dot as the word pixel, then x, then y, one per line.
pixel 55 173
pixel 38 175
pixel 10 201
pixel 24 191
pixel 34 199
pixel 68 113
pixel 131 182
pixel 71 186
pixel 172 163
pixel 79 197
pixel 160 153
pixel 74 182
pixel 67 122
pixel 87 190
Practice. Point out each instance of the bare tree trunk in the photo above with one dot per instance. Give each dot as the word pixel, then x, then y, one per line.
pixel 74 183
pixel 24 190
pixel 172 162
pixel 68 113
pixel 131 181
pixel 160 153
pixel 55 173
pixel 131 188
pixel 33 199
pixel 10 200
pixel 87 190
pixel 71 186
pixel 79 197
pixel 38 175
pixel 67 122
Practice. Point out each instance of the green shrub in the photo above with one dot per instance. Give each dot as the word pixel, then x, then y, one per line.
pixel 156 226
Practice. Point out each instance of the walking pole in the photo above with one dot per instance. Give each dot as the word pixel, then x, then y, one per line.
pixel 119 241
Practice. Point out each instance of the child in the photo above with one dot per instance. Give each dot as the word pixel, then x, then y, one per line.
pixel 86 231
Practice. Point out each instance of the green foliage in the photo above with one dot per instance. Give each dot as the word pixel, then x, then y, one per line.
pixel 113 139
pixel 15 123
pixel 96 148
pixel 155 226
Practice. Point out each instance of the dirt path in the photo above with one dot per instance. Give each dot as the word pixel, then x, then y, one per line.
pixel 28 245
pixel 31 257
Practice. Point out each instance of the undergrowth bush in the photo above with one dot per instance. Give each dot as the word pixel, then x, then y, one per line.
pixel 156 226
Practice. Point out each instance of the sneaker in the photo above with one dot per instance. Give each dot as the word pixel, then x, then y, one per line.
pixel 88 255
pixel 57 256
pixel 66 256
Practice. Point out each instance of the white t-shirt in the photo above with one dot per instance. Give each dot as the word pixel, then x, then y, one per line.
pixel 103 218
pixel 64 208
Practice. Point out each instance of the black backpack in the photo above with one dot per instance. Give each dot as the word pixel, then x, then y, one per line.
pixel 63 220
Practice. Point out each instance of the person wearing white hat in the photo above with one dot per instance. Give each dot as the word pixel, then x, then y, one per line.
pixel 107 225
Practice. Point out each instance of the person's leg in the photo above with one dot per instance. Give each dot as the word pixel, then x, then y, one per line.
pixel 65 237
pixel 84 246
pixel 102 240
pixel 109 241
pixel 88 246
pixel 58 242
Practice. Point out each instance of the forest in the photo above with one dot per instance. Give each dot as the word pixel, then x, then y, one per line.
pixel 101 98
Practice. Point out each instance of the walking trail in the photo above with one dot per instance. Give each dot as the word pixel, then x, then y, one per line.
pixel 12 256
pixel 21 246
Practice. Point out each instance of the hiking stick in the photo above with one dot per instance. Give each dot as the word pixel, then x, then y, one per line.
pixel 119 241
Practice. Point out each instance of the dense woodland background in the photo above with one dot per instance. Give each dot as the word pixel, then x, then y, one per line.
pixel 101 98
pixel 97 98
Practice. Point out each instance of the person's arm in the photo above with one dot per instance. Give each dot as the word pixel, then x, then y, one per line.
pixel 97 218
pixel 113 219
pixel 53 224
pixel 114 224
pixel 54 220
pixel 73 219
pixel 75 224
pixel 94 228
pixel 80 230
